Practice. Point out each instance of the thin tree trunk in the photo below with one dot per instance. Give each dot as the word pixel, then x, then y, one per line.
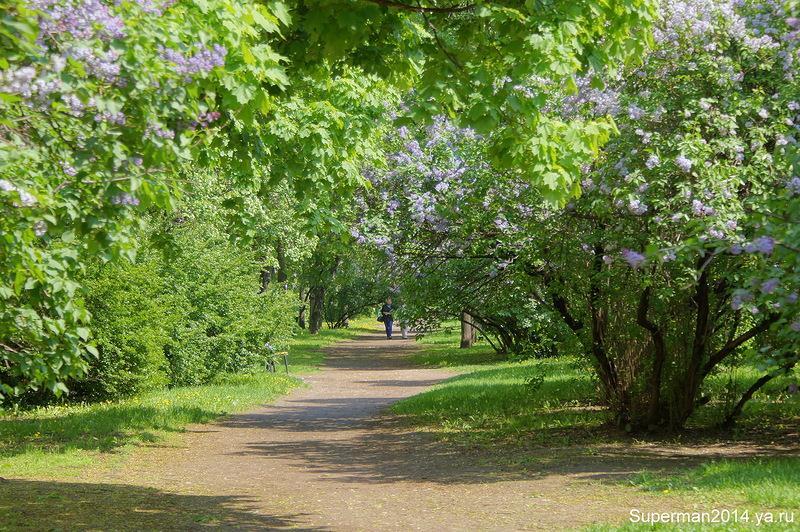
pixel 316 300
pixel 301 315
pixel 280 253
pixel 468 332
pixel 660 356
pixel 266 277
pixel 737 410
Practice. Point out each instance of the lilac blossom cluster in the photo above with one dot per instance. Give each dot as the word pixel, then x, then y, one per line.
pixel 125 199
pixel 111 117
pixel 82 19
pixel 598 102
pixel 201 62
pixel 102 65
pixel 206 119
pixel 29 84
pixel 26 199
pixel 156 131
pixel 155 8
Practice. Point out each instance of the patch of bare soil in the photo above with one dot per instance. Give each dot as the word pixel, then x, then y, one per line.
pixel 329 457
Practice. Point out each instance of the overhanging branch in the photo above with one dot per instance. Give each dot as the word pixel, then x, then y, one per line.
pixel 423 9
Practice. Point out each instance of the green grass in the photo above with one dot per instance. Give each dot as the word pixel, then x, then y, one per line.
pixel 442 350
pixel 306 353
pixel 495 401
pixel 761 482
pixel 62 441
pixel 758 486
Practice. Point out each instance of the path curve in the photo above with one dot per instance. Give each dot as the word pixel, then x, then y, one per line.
pixel 329 457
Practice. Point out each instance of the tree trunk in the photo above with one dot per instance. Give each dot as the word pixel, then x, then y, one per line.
pixel 280 253
pixel 316 300
pixel 301 315
pixel 266 277
pixel 468 332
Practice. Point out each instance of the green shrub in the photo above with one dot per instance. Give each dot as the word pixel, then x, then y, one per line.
pixel 131 316
pixel 182 318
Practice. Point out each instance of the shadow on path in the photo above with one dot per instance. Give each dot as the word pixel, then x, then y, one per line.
pixel 43 505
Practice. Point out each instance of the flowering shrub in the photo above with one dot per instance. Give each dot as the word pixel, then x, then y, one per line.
pixel 680 252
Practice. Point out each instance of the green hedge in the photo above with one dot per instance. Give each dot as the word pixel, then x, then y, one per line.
pixel 181 318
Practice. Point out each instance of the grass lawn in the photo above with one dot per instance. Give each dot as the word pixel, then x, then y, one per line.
pixel 514 406
pixel 61 441
pixel 495 401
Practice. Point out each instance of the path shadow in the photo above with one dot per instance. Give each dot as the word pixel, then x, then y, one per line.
pixel 42 505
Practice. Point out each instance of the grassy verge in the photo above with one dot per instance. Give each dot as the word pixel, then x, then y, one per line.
pixel 754 482
pixel 745 494
pixel 496 401
pixel 61 441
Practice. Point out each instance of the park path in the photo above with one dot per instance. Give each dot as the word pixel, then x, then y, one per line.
pixel 330 457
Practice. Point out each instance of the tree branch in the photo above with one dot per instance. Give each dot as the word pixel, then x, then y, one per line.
pixel 730 419
pixel 731 345
pixel 423 9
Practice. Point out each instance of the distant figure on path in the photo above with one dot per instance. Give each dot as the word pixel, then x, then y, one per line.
pixel 386 312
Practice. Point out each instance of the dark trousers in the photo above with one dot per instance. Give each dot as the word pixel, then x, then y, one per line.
pixel 387 322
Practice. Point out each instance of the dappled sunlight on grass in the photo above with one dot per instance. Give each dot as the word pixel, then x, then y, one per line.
pixel 64 439
pixel 441 349
pixel 510 400
pixel 767 482
pixel 44 439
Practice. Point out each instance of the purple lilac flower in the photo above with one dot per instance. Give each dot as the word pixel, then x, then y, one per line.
pixel 40 228
pixel 154 130
pixel 652 162
pixel 26 199
pixel 633 258
pixel 770 285
pixel 740 297
pixel 117 118
pixel 683 163
pixel 700 209
pixel 75 105
pixel 69 169
pixel 635 206
pixel 102 65
pixel 764 244
pixel 206 119
pixel 635 112
pixel 201 62
pixel 669 256
pixel 793 186
pixel 125 199
pixel 82 19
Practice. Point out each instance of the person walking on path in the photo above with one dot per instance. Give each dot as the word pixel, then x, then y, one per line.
pixel 386 313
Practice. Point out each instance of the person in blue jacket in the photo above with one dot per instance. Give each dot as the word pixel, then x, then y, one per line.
pixel 387 311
